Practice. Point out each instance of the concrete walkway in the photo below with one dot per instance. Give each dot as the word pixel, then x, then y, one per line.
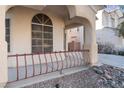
pixel 113 60
pixel 45 77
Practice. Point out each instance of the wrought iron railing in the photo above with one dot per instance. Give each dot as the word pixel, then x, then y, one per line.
pixel 23 66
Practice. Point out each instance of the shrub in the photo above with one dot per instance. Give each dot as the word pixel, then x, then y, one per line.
pixel 106 48
pixel 121 53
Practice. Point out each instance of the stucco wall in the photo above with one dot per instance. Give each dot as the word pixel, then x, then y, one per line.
pixel 20 35
pixel 90 15
pixel 20 40
pixel 3 49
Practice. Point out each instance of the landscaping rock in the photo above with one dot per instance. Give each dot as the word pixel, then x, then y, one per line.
pixel 104 76
pixel 104 80
pixel 122 84
pixel 112 83
pixel 97 70
pixel 122 75
pixel 107 76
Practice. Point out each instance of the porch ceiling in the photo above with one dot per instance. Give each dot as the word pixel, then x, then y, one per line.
pixel 72 25
pixel 37 7
pixel 60 10
pixel 76 22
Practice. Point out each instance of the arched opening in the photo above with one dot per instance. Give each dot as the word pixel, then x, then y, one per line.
pixel 75 38
pixel 42 33
pixel 82 27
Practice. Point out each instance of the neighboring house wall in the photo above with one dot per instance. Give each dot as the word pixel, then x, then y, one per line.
pixel 106 28
pixel 108 35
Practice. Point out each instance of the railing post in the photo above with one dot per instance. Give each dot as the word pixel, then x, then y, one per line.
pixel 40 63
pixel 57 61
pixel 33 64
pixel 46 62
pixel 81 56
pixel 78 61
pixel 66 59
pixel 17 66
pixel 51 61
pixel 61 62
pixel 72 61
pixel 69 58
pixel 25 65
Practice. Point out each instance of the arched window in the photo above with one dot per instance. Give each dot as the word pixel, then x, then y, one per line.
pixel 42 34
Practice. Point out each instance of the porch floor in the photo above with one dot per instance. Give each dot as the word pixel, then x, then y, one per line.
pixel 44 77
pixel 52 67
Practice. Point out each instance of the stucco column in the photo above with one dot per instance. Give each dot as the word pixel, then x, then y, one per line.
pixel 3 49
pixel 91 45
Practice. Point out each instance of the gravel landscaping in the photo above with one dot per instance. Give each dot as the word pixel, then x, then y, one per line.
pixel 109 76
pixel 104 76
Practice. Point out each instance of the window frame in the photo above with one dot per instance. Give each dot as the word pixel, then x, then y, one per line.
pixel 42 32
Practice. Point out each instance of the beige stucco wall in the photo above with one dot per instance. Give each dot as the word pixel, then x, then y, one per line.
pixel 3 49
pixel 20 40
pixel 86 12
pixel 90 35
